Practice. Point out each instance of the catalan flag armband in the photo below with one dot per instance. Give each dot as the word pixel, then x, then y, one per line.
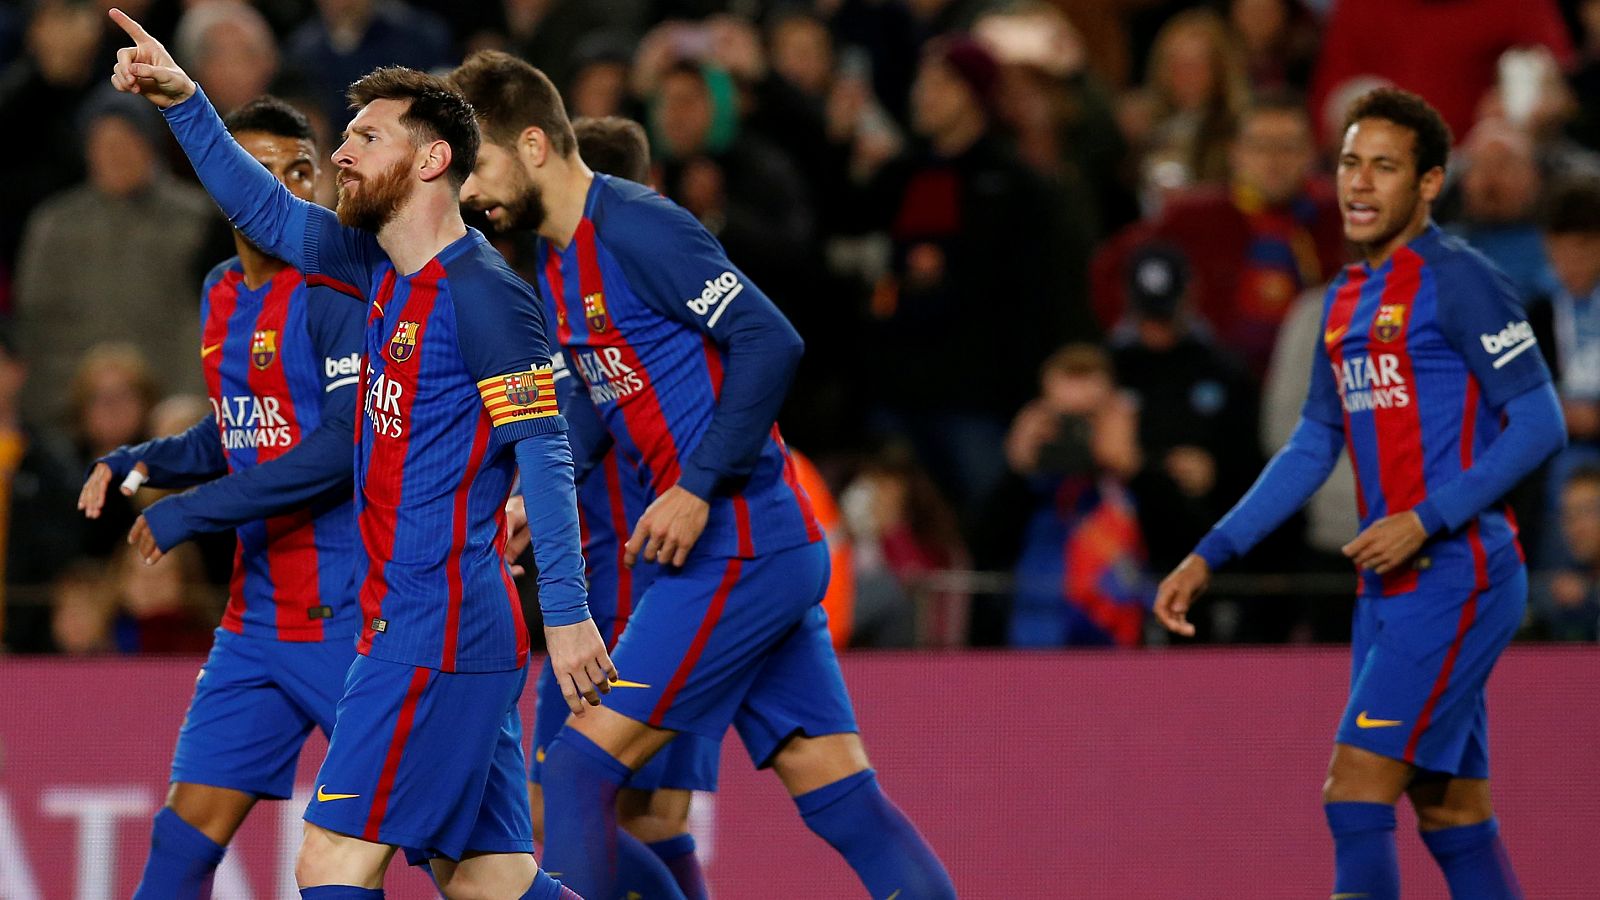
pixel 519 396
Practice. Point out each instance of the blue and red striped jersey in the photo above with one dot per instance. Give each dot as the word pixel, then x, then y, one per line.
pixel 655 319
pixel 457 390
pixel 1418 360
pixel 270 356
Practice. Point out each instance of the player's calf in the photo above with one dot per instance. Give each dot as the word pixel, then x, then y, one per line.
pixel 182 861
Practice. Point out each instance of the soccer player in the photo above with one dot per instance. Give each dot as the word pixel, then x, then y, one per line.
pixel 1428 374
pixel 685 363
pixel 456 386
pixel 280 360
pixel 654 804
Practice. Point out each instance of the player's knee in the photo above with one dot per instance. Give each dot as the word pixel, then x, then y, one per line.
pixel 1456 812
pixel 329 858
pixel 806 763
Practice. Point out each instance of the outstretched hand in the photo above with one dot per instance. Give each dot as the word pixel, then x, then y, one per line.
pixel 147 68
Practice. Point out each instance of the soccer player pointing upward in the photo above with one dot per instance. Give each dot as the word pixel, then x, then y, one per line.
pixel 456 387
pixel 1428 375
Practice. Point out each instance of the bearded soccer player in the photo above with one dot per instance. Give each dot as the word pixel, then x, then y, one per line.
pixel 653 806
pixel 280 359
pixel 1428 374
pixel 685 363
pixel 426 749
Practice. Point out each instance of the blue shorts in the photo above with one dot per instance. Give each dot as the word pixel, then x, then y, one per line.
pixel 254 702
pixel 736 641
pixel 1421 661
pixel 689 763
pixel 426 760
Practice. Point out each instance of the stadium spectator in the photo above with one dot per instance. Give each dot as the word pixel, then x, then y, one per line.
pixel 230 48
pixel 163 607
pixel 91 268
pixel 1197 77
pixel 550 33
pixel 37 92
pixel 965 274
pixel 350 38
pixel 1380 37
pixel 1564 605
pixel 38 532
pixel 600 69
pixel 1499 193
pixel 1278 39
pixel 81 608
pixel 1585 77
pixel 1080 576
pixel 903 532
pixel 1197 408
pixel 1255 243
pixel 109 402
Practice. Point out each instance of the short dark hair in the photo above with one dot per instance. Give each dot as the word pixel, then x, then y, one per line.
pixel 1573 206
pixel 270 115
pixel 509 95
pixel 615 146
pixel 1432 138
pixel 438 112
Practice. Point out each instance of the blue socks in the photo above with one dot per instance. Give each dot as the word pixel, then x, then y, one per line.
pixel 580 783
pixel 547 888
pixel 181 863
pixel 340 892
pixel 876 839
pixel 1365 863
pixel 1474 861
pixel 678 855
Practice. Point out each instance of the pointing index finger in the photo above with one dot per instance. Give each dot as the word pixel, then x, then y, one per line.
pixel 132 28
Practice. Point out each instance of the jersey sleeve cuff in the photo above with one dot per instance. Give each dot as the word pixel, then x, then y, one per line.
pixel 699 481
pixel 1216 549
pixel 558 618
pixel 1432 520
pixel 168 524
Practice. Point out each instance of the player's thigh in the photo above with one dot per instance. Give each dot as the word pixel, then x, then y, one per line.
pixel 242 731
pixel 798 693
pixel 700 635
pixel 413 751
pixel 1445 802
pixel 313 675
pixel 486 876
pixel 330 858
pixel 1358 775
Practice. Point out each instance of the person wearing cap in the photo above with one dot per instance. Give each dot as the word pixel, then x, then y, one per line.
pixel 92 270
pixel 975 297
pixel 1197 407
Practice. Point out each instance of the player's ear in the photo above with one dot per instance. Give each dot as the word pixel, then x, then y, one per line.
pixel 533 145
pixel 436 156
pixel 1431 184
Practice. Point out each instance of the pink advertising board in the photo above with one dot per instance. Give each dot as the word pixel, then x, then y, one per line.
pixel 1156 774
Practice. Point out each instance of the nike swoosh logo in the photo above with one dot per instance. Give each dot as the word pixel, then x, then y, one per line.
pixel 621 682
pixel 1363 722
pixel 1333 334
pixel 324 796
pixel 538 756
pixel 894 895
pixel 207 351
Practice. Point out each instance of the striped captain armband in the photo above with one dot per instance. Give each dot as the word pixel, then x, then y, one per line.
pixel 519 396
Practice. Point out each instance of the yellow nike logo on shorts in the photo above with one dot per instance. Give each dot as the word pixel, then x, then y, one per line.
pixel 324 796
pixel 1363 722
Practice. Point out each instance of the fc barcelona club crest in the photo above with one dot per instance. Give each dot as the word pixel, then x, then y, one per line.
pixel 263 348
pixel 1390 322
pixel 521 389
pixel 404 342
pixel 594 311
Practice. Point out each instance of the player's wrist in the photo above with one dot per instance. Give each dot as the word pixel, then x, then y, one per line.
pixel 698 481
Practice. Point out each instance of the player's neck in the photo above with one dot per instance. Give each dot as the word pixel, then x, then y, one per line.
pixel 427 223
pixel 565 200
pixel 259 268
pixel 1377 254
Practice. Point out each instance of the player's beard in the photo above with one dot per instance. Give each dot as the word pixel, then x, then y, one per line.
pixel 525 210
pixel 379 197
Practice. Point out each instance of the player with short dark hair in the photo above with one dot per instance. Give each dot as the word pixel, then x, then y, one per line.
pixel 1428 374
pixel 457 394
pixel 273 462
pixel 685 364
pixel 615 146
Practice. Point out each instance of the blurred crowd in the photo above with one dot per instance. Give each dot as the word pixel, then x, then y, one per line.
pixel 1058 265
